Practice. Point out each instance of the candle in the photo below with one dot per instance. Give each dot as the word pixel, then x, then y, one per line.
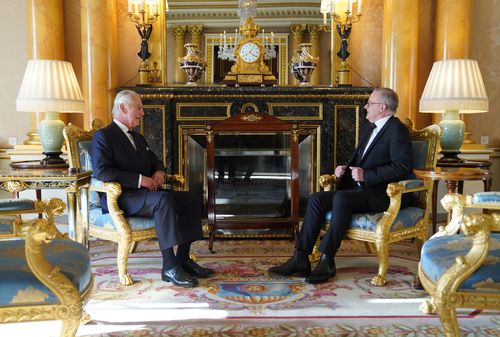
pixel 263 39
pixel 220 42
pixel 324 19
pixel 225 42
pixel 359 6
pixel 347 5
pixel 350 5
pixel 272 39
pixel 129 6
pixel 332 13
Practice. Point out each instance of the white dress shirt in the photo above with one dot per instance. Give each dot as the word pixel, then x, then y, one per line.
pixel 378 126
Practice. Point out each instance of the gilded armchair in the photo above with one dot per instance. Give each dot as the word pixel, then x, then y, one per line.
pixel 378 230
pixel 462 270
pixel 115 225
pixel 43 274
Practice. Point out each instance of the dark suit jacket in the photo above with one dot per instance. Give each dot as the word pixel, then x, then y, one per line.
pixel 115 159
pixel 388 159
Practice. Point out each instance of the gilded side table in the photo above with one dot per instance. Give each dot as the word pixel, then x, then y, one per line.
pixel 453 176
pixel 75 184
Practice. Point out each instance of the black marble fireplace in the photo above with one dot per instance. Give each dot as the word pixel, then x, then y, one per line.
pixel 176 118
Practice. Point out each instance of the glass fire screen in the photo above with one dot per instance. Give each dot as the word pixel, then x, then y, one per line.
pixel 252 172
pixel 252 175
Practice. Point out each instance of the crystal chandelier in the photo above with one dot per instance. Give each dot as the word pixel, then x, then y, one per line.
pixel 228 42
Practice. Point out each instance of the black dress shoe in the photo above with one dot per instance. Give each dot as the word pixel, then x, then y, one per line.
pixel 195 270
pixel 297 265
pixel 179 277
pixel 323 271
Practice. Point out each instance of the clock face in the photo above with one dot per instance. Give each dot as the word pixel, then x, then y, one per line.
pixel 249 52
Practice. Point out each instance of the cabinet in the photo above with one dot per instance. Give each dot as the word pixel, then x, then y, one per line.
pixel 252 174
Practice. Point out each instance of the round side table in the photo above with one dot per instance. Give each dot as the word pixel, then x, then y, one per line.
pixel 453 177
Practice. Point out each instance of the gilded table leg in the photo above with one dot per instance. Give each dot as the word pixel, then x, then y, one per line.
pixel 72 223
pixel 83 216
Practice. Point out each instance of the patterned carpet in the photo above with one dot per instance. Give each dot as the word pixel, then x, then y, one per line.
pixel 243 300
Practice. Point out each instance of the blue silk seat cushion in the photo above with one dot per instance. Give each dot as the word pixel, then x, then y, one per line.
pixel 5 227
pixel 438 254
pixel 407 217
pixel 97 219
pixel 10 205
pixel 20 286
pixel 486 197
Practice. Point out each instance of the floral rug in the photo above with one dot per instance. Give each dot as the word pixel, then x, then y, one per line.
pixel 242 299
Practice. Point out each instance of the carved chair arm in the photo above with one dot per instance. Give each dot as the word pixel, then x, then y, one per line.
pixel 38 233
pixel 327 182
pixel 478 227
pixel 175 181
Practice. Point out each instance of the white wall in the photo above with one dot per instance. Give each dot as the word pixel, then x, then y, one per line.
pixel 13 59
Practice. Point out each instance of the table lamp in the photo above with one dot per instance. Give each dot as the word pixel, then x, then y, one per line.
pixel 50 86
pixel 454 86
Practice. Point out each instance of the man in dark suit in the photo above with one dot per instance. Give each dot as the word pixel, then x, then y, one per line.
pixel 120 154
pixel 383 156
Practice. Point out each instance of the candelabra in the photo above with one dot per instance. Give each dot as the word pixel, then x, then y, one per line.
pixel 144 13
pixel 229 43
pixel 342 18
pixel 246 9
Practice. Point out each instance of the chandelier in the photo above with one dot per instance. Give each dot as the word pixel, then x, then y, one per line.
pixel 228 43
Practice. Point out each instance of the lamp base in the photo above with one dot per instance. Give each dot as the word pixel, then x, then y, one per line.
pixel 450 157
pixel 52 159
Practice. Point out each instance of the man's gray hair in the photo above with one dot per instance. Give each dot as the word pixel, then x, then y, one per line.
pixel 125 97
pixel 389 97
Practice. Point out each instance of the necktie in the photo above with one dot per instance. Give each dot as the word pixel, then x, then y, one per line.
pixel 132 138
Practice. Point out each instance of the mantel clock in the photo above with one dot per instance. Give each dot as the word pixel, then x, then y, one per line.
pixel 249 68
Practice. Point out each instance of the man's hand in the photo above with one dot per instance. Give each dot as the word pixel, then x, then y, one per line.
pixel 357 173
pixel 340 170
pixel 159 178
pixel 149 183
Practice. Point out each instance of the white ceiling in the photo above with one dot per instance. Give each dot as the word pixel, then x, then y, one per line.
pixel 271 13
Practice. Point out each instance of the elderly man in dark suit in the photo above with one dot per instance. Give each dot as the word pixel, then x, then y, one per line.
pixel 383 156
pixel 120 154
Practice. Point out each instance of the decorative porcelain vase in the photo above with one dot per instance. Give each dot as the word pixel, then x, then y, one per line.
pixel 192 63
pixel 303 64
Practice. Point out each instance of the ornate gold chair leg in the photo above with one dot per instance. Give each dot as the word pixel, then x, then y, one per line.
pixel 69 327
pixel 315 255
pixel 133 247
pixel 383 264
pixel 370 247
pixel 85 318
pixel 121 261
pixel 448 318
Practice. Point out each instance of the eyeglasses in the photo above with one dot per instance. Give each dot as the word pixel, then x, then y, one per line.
pixel 371 103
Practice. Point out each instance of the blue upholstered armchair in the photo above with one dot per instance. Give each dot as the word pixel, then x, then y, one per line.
pixel 114 226
pixel 463 270
pixel 43 274
pixel 378 230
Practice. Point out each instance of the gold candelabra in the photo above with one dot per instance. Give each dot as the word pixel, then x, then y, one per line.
pixel 143 13
pixel 342 18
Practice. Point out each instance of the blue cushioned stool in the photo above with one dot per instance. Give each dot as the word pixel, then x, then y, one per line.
pixel 463 270
pixel 44 276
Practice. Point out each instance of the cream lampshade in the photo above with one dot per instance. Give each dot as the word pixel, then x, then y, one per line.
pixel 454 86
pixel 50 86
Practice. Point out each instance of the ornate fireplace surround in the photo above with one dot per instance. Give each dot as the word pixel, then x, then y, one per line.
pixel 176 118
